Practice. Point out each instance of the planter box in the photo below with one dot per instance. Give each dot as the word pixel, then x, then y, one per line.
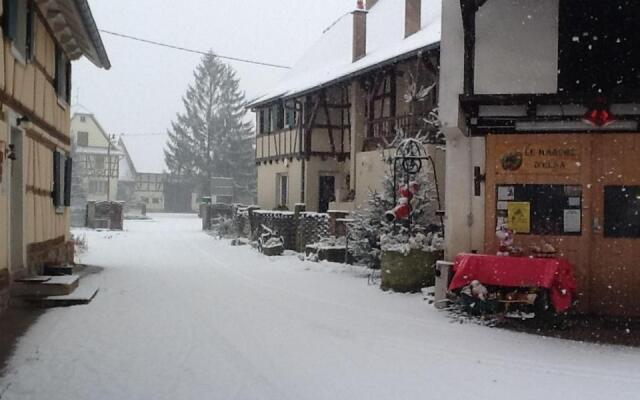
pixel 408 272
pixel 272 251
pixel 331 254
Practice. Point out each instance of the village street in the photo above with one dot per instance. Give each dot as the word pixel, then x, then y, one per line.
pixel 181 315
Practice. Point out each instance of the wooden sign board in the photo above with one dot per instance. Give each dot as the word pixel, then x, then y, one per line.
pixel 551 156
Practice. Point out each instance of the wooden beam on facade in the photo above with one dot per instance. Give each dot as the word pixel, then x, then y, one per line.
pixel 329 126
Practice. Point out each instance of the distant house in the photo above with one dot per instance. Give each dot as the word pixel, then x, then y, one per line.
pixel 97 156
pixel 40 40
pixel 319 130
pixel 142 170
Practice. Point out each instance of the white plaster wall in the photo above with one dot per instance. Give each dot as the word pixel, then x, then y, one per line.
pixel 267 173
pixel 464 218
pixel 517 47
pixel 451 68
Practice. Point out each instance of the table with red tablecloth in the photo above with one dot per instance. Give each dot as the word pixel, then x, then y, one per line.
pixel 554 274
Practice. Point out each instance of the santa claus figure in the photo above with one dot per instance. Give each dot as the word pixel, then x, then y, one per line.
pixel 403 209
pixel 506 237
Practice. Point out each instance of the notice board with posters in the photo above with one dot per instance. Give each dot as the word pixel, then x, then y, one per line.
pixel 540 209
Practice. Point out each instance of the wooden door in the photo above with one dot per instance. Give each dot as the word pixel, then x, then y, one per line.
pixel 615 253
pixel 327 192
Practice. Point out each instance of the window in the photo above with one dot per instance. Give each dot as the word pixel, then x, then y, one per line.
pixel 19 27
pixel 63 76
pixel 265 121
pixel 277 117
pixel 283 190
pixel 83 139
pixel 99 162
pixel 622 211
pixel 145 200
pixel 83 119
pixel 542 209
pixel 61 192
pixel 290 115
pixel 599 46
pixel 97 187
pixel 156 200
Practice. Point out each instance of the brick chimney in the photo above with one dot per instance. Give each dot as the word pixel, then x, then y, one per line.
pixel 371 3
pixel 412 17
pixel 359 31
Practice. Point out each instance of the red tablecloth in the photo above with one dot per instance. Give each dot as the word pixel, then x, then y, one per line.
pixel 553 274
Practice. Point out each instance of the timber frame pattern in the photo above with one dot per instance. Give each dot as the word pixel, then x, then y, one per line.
pixel 380 91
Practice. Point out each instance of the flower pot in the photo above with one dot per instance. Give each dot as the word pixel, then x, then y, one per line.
pixel 408 272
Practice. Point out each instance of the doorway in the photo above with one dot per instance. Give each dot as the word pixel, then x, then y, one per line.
pixel 327 192
pixel 16 204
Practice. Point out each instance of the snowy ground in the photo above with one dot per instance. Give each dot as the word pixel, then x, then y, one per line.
pixel 183 316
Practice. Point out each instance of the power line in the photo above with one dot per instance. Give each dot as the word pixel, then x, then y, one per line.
pixel 144 134
pixel 170 46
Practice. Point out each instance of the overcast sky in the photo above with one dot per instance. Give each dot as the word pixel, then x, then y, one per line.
pixel 142 92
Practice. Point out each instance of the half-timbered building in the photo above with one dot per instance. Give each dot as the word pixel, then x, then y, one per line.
pixel 540 104
pixel 142 170
pixel 39 41
pixel 97 156
pixel 319 131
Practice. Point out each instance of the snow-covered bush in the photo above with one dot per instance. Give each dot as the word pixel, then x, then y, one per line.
pixel 404 243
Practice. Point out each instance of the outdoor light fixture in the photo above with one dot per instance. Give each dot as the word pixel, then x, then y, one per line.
pixel 599 114
pixel 22 119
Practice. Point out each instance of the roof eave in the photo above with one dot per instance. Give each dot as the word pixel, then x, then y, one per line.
pixel 347 77
pixel 94 34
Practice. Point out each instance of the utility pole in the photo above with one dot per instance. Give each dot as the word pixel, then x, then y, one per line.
pixel 109 139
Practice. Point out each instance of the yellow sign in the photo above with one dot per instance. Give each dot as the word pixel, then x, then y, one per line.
pixel 519 216
pixel 545 158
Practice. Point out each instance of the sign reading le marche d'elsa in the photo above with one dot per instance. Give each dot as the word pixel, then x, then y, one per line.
pixel 536 159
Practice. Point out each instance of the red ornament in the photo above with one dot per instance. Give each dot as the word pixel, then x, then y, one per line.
pixel 599 115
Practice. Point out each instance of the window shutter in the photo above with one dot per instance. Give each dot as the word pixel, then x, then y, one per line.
pixel 10 18
pixel 57 185
pixel 30 31
pixel 68 88
pixel 68 171
pixel 56 74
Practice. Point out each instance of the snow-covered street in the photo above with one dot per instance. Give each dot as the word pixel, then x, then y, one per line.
pixel 181 315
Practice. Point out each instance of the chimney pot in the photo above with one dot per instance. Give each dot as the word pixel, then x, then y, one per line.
pixel 360 5
pixel 412 17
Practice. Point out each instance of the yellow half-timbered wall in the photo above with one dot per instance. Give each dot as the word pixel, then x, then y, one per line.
pixel 27 90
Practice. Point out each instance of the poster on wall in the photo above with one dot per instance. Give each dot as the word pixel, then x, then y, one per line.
pixel 572 221
pixel 519 214
pixel 506 193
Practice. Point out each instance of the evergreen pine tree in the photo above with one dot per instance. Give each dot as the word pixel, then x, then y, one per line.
pixel 211 138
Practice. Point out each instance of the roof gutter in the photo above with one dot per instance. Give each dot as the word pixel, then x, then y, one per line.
pixel 94 33
pixel 347 77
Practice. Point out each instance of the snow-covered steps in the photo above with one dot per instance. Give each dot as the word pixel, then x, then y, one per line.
pixel 80 296
pixel 58 270
pixel 43 286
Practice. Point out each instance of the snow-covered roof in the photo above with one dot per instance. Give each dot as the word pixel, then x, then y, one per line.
pixel 114 151
pixel 330 59
pixel 146 152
